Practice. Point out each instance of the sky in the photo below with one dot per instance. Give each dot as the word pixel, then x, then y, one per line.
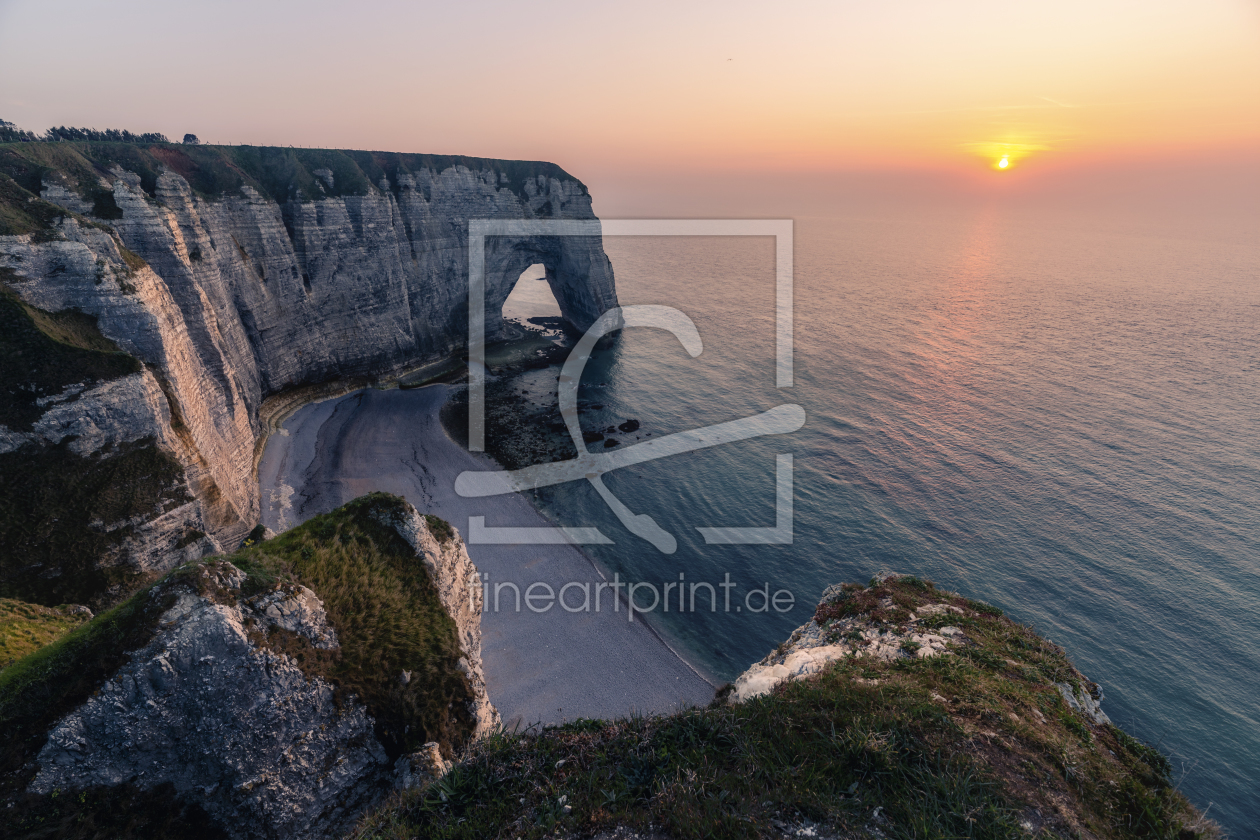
pixel 682 106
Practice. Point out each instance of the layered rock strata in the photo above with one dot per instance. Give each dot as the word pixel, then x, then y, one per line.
pixel 264 747
pixel 231 298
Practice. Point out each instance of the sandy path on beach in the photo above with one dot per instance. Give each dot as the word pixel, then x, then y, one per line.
pixel 540 667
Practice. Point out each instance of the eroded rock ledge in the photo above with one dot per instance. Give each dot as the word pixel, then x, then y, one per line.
pixel 884 624
pixel 245 701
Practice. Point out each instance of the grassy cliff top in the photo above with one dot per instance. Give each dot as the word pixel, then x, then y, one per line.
pixel 274 171
pixel 977 744
pixel 377 595
pixel 388 618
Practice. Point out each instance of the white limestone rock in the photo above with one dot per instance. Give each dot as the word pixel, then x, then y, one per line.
pixel 122 410
pixel 1086 699
pixel 265 749
pixel 459 588
pixel 420 767
pixel 296 609
pixel 241 298
pixel 811 648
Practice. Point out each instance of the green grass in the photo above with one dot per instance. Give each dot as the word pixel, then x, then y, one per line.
pixel 29 163
pixel 388 618
pixel 55 507
pixel 38 690
pixel 25 628
pixel 22 213
pixel 41 353
pixel 829 750
pixel 440 528
pixel 275 171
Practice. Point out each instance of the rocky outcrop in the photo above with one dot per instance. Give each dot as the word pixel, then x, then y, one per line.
pixel 879 624
pixel 1085 698
pixel 216 706
pixel 121 410
pixel 459 587
pixel 813 646
pixel 229 298
pixel 420 767
pixel 235 726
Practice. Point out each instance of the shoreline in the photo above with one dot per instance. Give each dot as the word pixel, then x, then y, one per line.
pixel 541 668
pixel 279 407
pixel 660 636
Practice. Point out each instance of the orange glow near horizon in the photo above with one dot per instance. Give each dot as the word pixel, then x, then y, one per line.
pixel 666 88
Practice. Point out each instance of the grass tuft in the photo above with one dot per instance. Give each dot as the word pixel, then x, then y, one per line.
pixel 25 628
pixel 442 530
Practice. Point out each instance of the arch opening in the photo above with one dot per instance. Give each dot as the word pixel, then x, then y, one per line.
pixel 531 300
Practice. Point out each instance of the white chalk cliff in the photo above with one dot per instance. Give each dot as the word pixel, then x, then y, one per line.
pixel 236 297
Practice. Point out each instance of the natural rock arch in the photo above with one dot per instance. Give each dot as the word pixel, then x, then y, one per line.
pixel 579 273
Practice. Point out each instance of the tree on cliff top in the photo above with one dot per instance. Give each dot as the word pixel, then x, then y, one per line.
pixel 10 133
pixel 109 135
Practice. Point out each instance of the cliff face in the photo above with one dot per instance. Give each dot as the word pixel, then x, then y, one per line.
pixel 272 710
pixel 292 273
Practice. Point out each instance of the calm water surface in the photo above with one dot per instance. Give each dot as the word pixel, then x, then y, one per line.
pixel 1056 415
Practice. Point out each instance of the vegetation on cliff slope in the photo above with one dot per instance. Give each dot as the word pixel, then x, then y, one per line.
pixel 25 628
pixel 974 744
pixel 388 618
pixel 279 172
pixel 60 512
pixel 378 597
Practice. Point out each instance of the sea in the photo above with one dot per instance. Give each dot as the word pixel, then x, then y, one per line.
pixel 1055 412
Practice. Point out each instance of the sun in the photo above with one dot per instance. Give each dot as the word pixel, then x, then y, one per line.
pixel 1004 155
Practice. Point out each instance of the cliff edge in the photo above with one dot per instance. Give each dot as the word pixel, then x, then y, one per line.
pixel 152 297
pixel 899 711
pixel 277 692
